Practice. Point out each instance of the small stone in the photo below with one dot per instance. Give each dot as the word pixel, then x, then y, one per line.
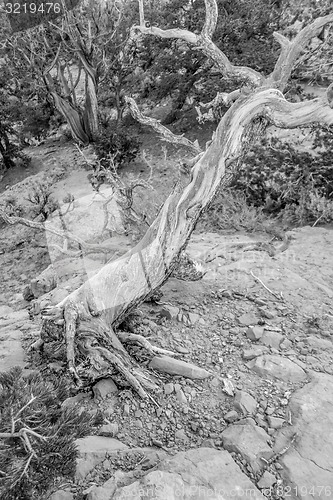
pixel 193 318
pixel 248 319
pixel 126 409
pixel 208 443
pixel 254 333
pixel 245 403
pixel 275 422
pixel 231 416
pixel 266 481
pixel 168 389
pixel 169 312
pixel 103 388
pixel 181 398
pixel 267 313
pixel 181 349
pixel 110 430
pixel 215 382
pixel 180 435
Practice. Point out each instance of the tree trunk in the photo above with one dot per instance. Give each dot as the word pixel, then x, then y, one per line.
pixel 5 152
pixel 84 322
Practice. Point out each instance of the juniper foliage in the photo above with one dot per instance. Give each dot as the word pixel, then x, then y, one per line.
pixel 32 403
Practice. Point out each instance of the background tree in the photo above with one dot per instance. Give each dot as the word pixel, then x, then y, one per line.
pixel 68 57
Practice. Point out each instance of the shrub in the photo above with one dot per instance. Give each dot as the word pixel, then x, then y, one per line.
pixel 36 121
pixel 36 434
pixel 115 148
pixel 286 182
pixel 41 197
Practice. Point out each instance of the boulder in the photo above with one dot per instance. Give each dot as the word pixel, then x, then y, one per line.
pixel 308 463
pixel 195 474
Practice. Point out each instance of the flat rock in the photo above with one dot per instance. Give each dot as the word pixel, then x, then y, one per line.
pixel 250 441
pixel 245 403
pixel 272 339
pixel 11 350
pixel 5 310
pixel 195 474
pixel 173 366
pixel 93 450
pixel 318 343
pixel 278 367
pixel 308 464
pixel 248 319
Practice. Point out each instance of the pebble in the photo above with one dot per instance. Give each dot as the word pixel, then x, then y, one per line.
pixel 180 435
pixel 110 430
pixel 275 422
pixel 231 416
pixel 168 389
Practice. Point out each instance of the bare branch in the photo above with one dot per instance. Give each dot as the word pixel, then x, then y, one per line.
pixel 166 134
pixel 211 18
pixel 291 50
pixel 141 13
pixel 284 114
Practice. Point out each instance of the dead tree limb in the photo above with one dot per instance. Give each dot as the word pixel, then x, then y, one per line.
pixel 164 132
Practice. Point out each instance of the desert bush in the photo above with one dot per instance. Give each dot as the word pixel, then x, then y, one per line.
pixel 40 196
pixel 116 147
pixel 36 121
pixel 285 182
pixel 231 210
pixel 36 434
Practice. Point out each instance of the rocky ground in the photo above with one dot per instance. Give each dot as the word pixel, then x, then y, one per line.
pixel 245 408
